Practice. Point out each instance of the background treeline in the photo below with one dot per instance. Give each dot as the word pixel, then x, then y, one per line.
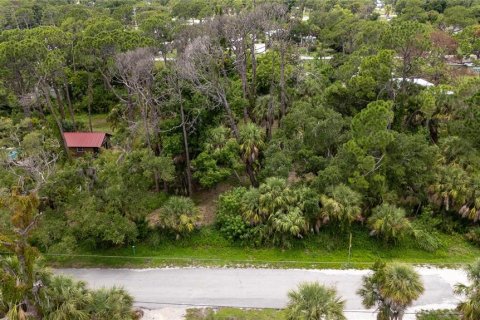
pixel 308 116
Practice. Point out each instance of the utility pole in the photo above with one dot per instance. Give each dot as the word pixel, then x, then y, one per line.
pixel 350 248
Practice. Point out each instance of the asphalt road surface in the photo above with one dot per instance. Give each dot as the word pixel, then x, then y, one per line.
pixel 255 288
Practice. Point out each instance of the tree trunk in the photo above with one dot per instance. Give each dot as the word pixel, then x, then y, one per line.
pixel 26 111
pixel 130 106
pixel 61 107
pixel 302 8
pixel 89 102
pixel 156 151
pixel 69 104
pixel 243 77
pixel 185 144
pixel 253 85
pixel 156 145
pixel 270 113
pixel 145 124
pixel 157 181
pixel 73 55
pixel 230 116
pixel 283 96
pixel 46 92
pixel 251 174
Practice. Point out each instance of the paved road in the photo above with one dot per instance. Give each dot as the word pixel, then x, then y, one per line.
pixel 154 288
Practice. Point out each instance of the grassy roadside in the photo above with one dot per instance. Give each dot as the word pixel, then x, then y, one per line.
pixel 234 314
pixel 208 248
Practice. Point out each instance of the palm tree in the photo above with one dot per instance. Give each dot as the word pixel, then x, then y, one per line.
pixel 392 288
pixel 15 292
pixel 65 299
pixel 389 222
pixel 343 205
pixel 251 142
pixel 251 208
pixel 313 301
pixel 388 10
pixel 113 303
pixel 451 189
pixel 274 196
pixel 178 214
pixel 284 225
pixel 470 308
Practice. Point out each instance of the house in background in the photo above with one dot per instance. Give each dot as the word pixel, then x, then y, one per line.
pixel 81 142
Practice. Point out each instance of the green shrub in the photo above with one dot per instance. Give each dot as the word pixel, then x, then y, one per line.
pixel 473 235
pixel 229 218
pixel 426 239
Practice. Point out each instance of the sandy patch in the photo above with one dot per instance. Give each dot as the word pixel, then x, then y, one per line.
pixel 168 313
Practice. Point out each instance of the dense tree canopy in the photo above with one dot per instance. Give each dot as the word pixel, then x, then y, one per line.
pixel 308 117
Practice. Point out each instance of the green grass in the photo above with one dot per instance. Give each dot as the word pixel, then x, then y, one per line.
pixel 234 314
pixel 327 250
pixel 99 121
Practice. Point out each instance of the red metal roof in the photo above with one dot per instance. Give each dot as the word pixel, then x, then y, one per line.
pixel 84 139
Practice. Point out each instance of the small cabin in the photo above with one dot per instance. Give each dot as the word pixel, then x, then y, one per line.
pixel 80 143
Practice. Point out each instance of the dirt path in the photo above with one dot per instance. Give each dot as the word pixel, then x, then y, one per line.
pixel 207 202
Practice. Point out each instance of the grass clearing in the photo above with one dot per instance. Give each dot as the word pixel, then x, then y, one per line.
pixel 207 247
pixel 234 314
pixel 99 121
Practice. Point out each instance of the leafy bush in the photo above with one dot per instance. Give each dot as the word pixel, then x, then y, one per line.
pixel 219 158
pixel 473 235
pixel 98 225
pixel 426 240
pixel 229 218
pixel 90 221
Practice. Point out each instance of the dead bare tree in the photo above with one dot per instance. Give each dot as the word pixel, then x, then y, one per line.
pixel 202 64
pixel 135 70
pixel 46 90
pixel 278 24
pixel 37 161
pixel 242 31
pixel 175 82
pixel 238 34
pixel 38 167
